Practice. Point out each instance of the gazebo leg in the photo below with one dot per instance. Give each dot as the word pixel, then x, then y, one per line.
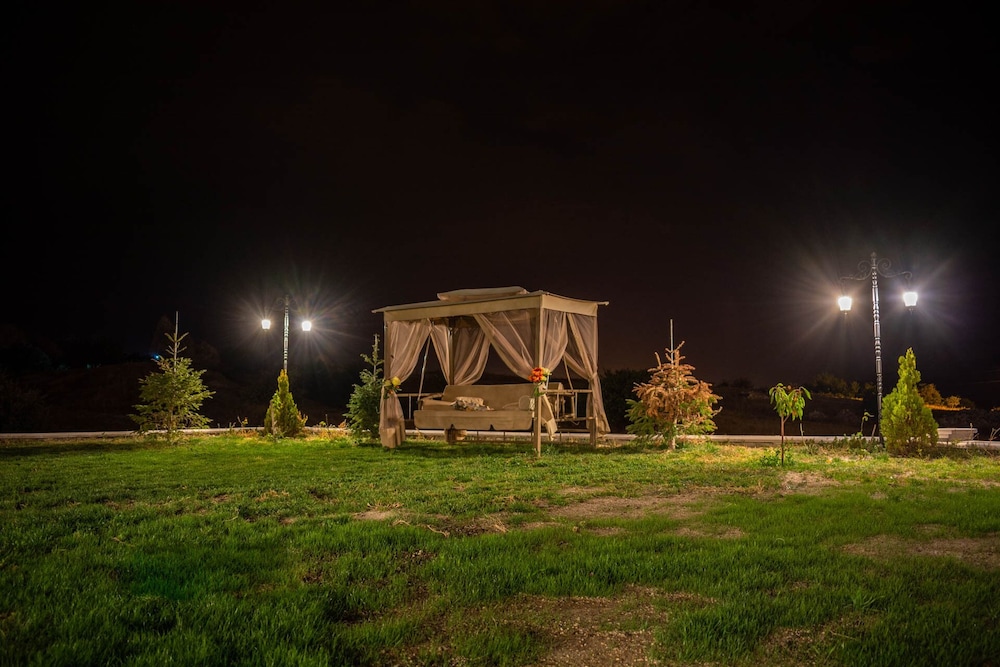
pixel 537 426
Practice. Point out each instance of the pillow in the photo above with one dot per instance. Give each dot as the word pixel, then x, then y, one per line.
pixel 468 403
pixel 436 404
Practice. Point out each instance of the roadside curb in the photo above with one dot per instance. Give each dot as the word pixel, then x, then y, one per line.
pixel 747 440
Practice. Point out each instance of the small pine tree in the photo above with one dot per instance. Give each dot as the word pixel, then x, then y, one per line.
pixel 908 425
pixel 789 403
pixel 172 398
pixel 364 405
pixel 283 419
pixel 673 402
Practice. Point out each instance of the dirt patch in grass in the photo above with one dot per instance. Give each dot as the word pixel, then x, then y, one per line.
pixel 680 506
pixel 376 515
pixel 713 532
pixel 799 646
pixel 588 631
pixel 578 491
pixel 575 631
pixel 584 504
pixel 785 646
pixel 608 647
pixel 806 482
pixel 489 523
pixel 536 525
pixel 381 512
pixel 271 494
pixel 981 552
pixel 599 630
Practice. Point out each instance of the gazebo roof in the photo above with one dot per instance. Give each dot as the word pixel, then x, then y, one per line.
pixel 490 300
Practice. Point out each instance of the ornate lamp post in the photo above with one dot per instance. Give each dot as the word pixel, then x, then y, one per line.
pixel 873 269
pixel 266 324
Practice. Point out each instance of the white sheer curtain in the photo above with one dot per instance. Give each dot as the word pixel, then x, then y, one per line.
pixel 466 348
pixel 510 334
pixel 556 337
pixel 581 357
pixel 439 338
pixel 403 342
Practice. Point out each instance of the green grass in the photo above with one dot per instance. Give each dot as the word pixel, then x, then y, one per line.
pixel 230 550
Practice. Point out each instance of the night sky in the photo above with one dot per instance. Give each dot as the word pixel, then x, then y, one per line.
pixel 715 165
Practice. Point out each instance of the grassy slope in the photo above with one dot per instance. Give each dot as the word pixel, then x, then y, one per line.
pixel 236 550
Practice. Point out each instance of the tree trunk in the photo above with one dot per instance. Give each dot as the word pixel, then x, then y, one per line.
pixel 782 442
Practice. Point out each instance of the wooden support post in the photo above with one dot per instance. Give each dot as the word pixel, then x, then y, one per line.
pixel 537 426
pixel 539 338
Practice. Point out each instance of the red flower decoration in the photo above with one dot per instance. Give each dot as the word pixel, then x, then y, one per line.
pixel 539 374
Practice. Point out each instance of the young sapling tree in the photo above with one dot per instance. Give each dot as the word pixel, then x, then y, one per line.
pixel 789 402
pixel 364 405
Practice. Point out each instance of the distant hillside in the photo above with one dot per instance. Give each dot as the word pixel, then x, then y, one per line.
pixel 102 398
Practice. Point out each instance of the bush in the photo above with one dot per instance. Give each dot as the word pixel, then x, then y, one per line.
pixel 283 419
pixel 930 395
pixel 831 385
pixel 673 402
pixel 364 406
pixel 172 398
pixel 908 425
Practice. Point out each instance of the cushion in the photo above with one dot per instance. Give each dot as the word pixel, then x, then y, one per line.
pixel 436 404
pixel 470 403
pixel 483 293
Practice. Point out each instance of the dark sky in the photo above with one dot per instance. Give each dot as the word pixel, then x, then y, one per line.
pixel 717 165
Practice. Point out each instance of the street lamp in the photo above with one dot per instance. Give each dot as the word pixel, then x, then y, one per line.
pixel 873 269
pixel 265 324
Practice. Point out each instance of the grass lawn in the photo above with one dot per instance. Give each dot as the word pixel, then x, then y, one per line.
pixel 235 549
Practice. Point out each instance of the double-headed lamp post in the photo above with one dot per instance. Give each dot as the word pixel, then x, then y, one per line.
pixel 266 324
pixel 872 269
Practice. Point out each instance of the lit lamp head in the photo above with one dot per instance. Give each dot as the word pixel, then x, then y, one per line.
pixel 265 324
pixel 909 298
pixel 845 303
pixel 307 325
